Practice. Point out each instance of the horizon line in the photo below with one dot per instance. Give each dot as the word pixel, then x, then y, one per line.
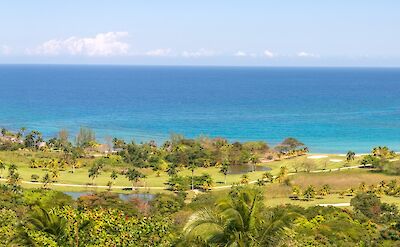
pixel 202 65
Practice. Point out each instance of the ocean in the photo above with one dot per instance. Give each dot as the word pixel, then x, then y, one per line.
pixel 331 110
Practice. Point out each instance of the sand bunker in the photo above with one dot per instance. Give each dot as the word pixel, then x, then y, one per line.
pixel 317 157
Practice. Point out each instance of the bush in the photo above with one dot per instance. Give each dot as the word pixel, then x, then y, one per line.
pixel 166 204
pixel 34 178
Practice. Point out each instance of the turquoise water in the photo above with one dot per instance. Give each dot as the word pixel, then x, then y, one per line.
pixel 330 109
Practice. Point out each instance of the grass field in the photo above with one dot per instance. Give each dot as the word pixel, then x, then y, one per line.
pixel 80 176
pixel 329 199
pixel 338 180
pixel 275 194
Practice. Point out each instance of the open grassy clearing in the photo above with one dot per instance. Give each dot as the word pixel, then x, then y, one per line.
pixel 278 194
pixel 329 199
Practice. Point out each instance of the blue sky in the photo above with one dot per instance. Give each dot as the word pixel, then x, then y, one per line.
pixel 206 32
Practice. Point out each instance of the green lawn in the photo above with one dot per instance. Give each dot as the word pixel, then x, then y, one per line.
pixel 80 176
pixel 275 194
pixel 329 199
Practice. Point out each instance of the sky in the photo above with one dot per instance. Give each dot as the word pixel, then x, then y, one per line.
pixel 206 32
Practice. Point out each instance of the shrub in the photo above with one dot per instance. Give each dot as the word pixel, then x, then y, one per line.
pixel 34 177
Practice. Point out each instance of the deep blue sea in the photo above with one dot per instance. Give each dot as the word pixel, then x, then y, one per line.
pixel 329 109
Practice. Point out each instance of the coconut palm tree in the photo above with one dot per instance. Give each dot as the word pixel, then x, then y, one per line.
pixel 309 193
pixel 192 166
pixel 268 177
pixel 2 168
pixel 253 160
pixel 283 172
pixel 224 170
pixel 362 187
pixel 350 156
pixel 46 180
pixel 240 220
pixel 244 179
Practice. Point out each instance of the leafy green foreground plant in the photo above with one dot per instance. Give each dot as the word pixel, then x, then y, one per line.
pixel 42 229
pixel 67 226
pixel 239 220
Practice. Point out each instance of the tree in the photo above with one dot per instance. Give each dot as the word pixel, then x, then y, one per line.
pixel 367 203
pixel 46 180
pixel 33 139
pixel 308 165
pixel 289 144
pixel 63 136
pixel 326 189
pixel 192 166
pixel 244 179
pixel 13 178
pixel 114 175
pixel 268 177
pixel 3 131
pixel 224 170
pixel 253 160
pixel 383 152
pixel 283 172
pixel 2 168
pixel 85 138
pixel 133 176
pixel 370 160
pixel 296 192
pixel 42 221
pixel 34 177
pixel 309 193
pixel 350 156
pixel 95 171
pixel 362 187
pixel 239 220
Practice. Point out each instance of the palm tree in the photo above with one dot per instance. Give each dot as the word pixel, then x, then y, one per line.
pixel 113 176
pixel 350 156
pixel 224 170
pixel 253 159
pixel 296 191
pixel 244 179
pixel 12 169
pixel 268 177
pixel 326 189
pixel 283 172
pixel 309 193
pixel 2 168
pixel 43 221
pixel 362 187
pixel 192 166
pixel 46 180
pixel 239 220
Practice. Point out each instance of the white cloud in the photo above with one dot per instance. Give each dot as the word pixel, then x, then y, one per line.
pixel 269 54
pixel 103 44
pixel 306 54
pixel 199 53
pixel 159 52
pixel 5 50
pixel 240 54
